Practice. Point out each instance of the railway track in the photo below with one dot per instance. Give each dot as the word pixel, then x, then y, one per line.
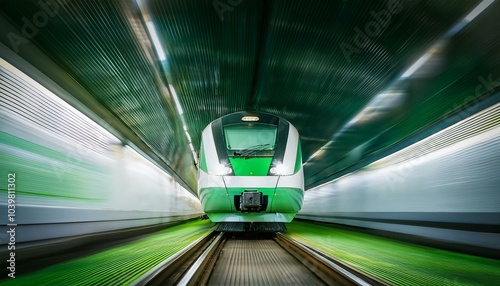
pixel 245 259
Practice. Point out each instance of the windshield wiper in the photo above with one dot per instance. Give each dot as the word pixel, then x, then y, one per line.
pixel 251 150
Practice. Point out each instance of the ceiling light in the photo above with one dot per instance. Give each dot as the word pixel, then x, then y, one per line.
pixel 176 99
pixel 416 65
pixel 479 8
pixel 319 151
pixel 156 40
pixel 188 137
pixel 455 29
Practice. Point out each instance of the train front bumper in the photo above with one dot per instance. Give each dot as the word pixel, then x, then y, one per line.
pixel 220 197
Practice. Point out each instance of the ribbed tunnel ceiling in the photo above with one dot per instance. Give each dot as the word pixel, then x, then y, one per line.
pixel 318 64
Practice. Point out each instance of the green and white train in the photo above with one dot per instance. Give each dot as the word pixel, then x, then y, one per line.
pixel 251 169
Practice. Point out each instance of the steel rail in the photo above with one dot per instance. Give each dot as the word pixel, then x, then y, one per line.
pixel 196 270
pixel 324 266
pixel 154 273
pixel 328 269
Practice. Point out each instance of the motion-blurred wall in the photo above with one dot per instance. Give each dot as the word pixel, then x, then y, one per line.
pixel 445 188
pixel 73 177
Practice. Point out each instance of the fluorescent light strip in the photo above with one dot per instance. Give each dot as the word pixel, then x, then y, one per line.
pixel 194 158
pixel 176 99
pixel 416 65
pixel 455 29
pixel 188 137
pixel 322 148
pixel 315 154
pixel 162 57
pixel 479 8
pixel 194 153
pixel 413 68
pixel 181 114
pixel 152 31
pixel 156 41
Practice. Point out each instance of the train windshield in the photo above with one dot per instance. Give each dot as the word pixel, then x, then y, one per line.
pixel 261 137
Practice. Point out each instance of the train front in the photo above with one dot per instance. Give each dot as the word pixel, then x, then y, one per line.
pixel 250 170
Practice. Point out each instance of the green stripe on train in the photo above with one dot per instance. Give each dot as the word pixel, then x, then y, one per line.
pixel 298 159
pixel 253 166
pixel 203 160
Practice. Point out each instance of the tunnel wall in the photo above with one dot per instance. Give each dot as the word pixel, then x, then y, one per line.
pixel 450 195
pixel 72 177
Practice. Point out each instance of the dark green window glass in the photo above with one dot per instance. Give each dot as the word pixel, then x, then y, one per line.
pixel 242 136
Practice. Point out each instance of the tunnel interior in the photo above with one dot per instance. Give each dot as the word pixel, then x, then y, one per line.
pixel 103 103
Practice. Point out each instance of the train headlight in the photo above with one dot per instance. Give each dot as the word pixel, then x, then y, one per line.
pixel 222 170
pixel 278 170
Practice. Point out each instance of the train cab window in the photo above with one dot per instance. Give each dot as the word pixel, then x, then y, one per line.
pixel 263 137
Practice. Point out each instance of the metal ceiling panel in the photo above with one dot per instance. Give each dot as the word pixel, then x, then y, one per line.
pixel 460 74
pixel 337 70
pixel 95 43
pixel 211 56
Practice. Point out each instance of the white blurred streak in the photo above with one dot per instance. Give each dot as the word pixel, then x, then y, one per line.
pixel 73 170
pixel 425 66
pixel 478 10
pixel 45 109
pixel 176 100
pixel 462 133
pixel 438 46
pixel 416 65
pixel 156 41
pixel 381 104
